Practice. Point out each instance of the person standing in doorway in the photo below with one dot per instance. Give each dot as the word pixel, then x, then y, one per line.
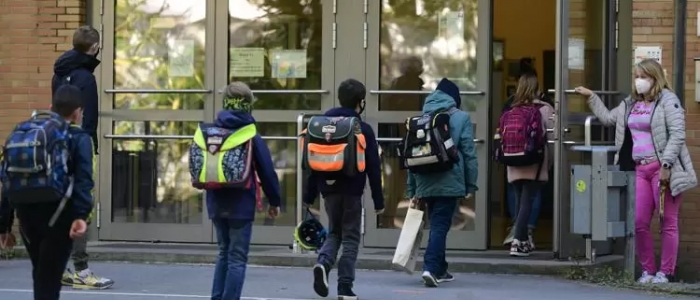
pixel 650 136
pixel 526 177
pixel 75 67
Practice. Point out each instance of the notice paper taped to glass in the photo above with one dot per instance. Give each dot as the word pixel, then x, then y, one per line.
pixel 288 63
pixel 247 62
pixel 181 58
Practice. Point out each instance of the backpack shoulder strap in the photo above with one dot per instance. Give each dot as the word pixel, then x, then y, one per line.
pixel 452 110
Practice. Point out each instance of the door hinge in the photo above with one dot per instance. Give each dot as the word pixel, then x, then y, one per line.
pixel 365 34
pixel 366 6
pixel 335 34
pixel 99 217
pixel 363 223
pixel 335 6
pixel 102 34
pixel 102 8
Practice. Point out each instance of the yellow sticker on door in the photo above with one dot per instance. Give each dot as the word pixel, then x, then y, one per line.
pixel 580 186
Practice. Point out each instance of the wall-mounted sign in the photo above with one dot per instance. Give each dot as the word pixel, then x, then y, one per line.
pixel 644 52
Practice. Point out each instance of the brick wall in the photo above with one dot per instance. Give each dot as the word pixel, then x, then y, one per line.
pixel 34 34
pixel 653 26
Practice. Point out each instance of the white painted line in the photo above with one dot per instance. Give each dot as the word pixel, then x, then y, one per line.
pixel 154 295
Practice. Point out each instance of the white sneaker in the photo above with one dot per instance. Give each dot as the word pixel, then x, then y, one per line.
pixel 429 279
pixel 659 278
pixel 646 278
pixel 531 239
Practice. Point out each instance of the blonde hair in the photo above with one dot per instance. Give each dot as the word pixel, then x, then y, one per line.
pixel 653 69
pixel 528 90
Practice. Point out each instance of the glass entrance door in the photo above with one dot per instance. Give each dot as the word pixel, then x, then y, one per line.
pixel 165 66
pixel 157 80
pixel 586 54
pixel 410 46
pixel 284 51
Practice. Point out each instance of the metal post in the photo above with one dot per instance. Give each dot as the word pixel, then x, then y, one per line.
pixel 679 30
pixel 630 251
pixel 560 84
pixel 300 179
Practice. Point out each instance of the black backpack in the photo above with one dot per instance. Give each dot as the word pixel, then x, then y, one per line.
pixel 428 146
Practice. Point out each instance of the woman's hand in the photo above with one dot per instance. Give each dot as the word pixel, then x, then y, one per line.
pixel 583 91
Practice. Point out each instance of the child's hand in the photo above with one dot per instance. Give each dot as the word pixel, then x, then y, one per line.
pixel 273 212
pixel 78 229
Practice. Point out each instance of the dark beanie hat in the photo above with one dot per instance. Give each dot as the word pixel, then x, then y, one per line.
pixel 238 96
pixel 448 87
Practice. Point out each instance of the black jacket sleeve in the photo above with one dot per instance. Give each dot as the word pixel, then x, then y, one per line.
pixel 88 86
pixel 374 168
pixel 266 171
pixel 6 216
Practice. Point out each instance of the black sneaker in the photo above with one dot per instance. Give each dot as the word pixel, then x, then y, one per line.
pixel 429 279
pixel 345 292
pixel 520 249
pixel 321 279
pixel 447 277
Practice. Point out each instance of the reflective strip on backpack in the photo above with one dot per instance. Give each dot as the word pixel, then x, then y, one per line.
pixel 419 161
pixel 212 165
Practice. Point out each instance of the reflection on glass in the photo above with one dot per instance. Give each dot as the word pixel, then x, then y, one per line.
pixel 150 178
pixel 284 158
pixel 394 186
pixel 276 45
pixel 422 42
pixel 159 45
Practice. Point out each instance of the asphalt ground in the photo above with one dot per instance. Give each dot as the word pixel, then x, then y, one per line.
pixel 180 282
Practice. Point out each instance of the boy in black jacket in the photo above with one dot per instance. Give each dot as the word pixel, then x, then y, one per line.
pixel 343 200
pixel 49 245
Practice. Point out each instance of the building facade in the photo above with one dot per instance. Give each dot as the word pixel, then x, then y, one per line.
pixel 164 61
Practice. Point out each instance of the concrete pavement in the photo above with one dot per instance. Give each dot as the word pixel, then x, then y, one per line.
pixel 172 281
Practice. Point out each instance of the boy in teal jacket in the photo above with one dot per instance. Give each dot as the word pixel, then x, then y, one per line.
pixel 441 192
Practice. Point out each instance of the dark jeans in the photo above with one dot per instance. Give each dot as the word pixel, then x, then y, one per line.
pixel 513 205
pixel 344 222
pixel 48 247
pixel 525 190
pixel 233 238
pixel 440 213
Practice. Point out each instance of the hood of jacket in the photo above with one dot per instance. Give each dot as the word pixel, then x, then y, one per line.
pixel 342 112
pixel 233 119
pixel 438 100
pixel 73 60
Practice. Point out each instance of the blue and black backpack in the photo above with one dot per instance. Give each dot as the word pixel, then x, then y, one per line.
pixel 36 162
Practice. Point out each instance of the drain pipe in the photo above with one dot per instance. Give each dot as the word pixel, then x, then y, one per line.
pixel 679 30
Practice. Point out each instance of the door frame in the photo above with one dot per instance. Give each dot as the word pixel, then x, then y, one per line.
pixel 109 230
pixel 566 244
pixel 476 239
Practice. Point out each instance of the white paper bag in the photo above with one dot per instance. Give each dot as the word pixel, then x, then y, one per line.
pixel 407 248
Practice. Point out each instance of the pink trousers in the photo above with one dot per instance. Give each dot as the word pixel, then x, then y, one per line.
pixel 647 203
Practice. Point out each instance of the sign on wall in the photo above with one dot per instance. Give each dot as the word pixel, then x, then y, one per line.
pixel 644 52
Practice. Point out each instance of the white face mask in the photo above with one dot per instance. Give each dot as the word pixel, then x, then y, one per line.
pixel 643 85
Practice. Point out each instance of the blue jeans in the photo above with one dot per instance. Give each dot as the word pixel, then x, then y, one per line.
pixel 233 237
pixel 440 213
pixel 513 208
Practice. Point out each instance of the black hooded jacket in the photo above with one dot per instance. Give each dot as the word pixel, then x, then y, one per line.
pixel 76 68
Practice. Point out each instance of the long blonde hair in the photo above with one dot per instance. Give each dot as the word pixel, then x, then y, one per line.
pixel 528 90
pixel 653 70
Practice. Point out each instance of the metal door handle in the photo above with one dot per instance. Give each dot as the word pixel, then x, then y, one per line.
pixel 156 91
pixel 221 91
pixel 479 141
pixel 405 92
pixel 570 92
